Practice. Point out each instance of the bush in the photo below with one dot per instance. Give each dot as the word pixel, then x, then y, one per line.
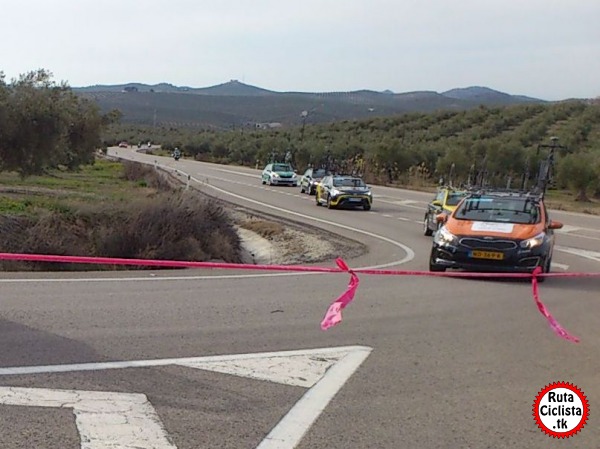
pixel 179 226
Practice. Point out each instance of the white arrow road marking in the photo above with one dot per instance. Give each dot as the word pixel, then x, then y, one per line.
pixel 323 371
pixel 104 420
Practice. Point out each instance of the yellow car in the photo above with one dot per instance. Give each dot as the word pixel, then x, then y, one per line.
pixel 445 202
pixel 343 191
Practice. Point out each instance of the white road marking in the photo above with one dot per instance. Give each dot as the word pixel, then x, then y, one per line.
pixel 324 371
pixel 592 255
pixel 409 252
pixel 567 229
pixel 560 266
pixel 104 420
pixel 404 203
pixel 294 425
pixel 403 219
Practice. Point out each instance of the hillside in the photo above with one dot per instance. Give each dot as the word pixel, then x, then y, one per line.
pixel 235 104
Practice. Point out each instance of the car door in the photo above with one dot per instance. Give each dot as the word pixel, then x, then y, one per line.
pixel 267 172
pixel 435 207
pixel 322 188
pixel 306 178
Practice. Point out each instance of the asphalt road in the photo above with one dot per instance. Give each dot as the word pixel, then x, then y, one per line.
pixel 452 364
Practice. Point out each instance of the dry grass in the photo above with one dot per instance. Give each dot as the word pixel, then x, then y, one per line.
pixel 266 229
pixel 144 219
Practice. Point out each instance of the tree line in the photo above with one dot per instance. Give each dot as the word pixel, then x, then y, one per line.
pixel 414 148
pixel 44 125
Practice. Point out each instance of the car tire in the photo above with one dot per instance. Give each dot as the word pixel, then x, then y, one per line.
pixel 263 182
pixel 367 206
pixel 426 229
pixel 546 267
pixel 329 206
pixel 433 267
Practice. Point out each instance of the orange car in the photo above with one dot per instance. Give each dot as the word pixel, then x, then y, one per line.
pixel 495 231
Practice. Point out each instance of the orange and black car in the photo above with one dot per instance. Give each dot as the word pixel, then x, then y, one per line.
pixel 495 231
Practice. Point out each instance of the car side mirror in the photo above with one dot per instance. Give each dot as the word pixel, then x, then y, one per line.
pixel 441 218
pixel 436 203
pixel 555 225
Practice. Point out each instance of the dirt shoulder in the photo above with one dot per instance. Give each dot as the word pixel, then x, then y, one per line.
pixel 269 240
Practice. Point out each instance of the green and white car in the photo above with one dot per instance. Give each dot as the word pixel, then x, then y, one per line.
pixel 279 174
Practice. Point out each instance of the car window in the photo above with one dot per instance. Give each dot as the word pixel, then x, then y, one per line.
pixel 282 167
pixel 503 210
pixel 440 196
pixel 308 172
pixel 348 182
pixel 320 173
pixel 454 198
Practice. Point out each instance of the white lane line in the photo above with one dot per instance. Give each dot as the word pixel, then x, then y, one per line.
pixel 104 420
pixel 386 216
pixel 567 229
pixel 403 219
pixel 589 237
pixel 403 203
pixel 409 252
pixel 100 366
pixel 592 255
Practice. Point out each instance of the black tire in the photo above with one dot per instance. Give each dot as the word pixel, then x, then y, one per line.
pixel 426 230
pixel 433 267
pixel 546 267
pixel 367 206
pixel 263 181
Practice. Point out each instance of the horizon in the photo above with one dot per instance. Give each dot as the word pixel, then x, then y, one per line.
pixel 232 81
pixel 540 49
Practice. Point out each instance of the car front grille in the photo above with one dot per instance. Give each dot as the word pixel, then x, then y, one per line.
pixel 487 244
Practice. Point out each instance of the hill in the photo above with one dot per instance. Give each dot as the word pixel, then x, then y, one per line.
pixel 234 104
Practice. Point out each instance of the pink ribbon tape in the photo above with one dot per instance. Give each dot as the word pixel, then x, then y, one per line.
pixel 333 316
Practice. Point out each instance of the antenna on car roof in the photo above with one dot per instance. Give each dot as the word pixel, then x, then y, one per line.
pixel 546 167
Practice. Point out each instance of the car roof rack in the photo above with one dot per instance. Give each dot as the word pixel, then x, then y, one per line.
pixel 531 195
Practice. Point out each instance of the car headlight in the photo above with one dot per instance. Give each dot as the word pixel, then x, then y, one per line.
pixel 275 175
pixel 294 176
pixel 335 192
pixel 533 241
pixel 445 237
pixel 368 192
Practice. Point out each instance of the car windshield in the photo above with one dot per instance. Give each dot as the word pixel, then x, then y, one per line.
pixel 498 209
pixel 348 182
pixel 282 167
pixel 320 173
pixel 454 198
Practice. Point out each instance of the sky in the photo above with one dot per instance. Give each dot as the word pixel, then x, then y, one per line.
pixel 548 49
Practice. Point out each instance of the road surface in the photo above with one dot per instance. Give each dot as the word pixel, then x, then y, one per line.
pixel 418 362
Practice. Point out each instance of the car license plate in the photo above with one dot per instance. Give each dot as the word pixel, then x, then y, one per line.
pixel 355 200
pixel 494 255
